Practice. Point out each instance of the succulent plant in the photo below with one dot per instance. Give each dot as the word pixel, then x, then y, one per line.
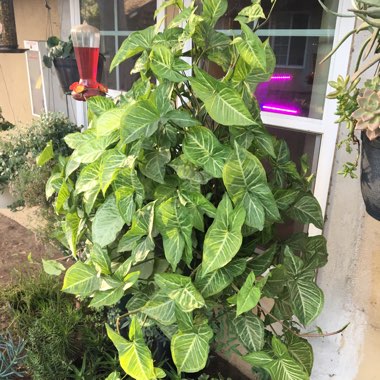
pixel 368 113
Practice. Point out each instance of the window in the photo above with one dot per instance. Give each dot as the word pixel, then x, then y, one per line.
pixel 116 19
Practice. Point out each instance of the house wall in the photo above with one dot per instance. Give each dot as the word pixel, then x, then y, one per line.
pixel 350 281
pixel 32 23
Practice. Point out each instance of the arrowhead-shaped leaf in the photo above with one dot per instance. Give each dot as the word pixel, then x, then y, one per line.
pixel 222 102
pixel 223 238
pixel 81 279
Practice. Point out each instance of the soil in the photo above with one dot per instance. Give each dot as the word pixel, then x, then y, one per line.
pixel 17 244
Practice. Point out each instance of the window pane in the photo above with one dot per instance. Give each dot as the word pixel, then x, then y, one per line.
pixel 126 78
pixel 99 13
pixel 135 14
pixel 301 34
pixel 107 48
pixel 299 143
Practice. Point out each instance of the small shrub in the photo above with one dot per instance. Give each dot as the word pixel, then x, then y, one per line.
pixel 18 168
pixel 63 340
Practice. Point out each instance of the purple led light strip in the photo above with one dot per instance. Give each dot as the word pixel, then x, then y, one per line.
pixel 280 109
pixel 281 77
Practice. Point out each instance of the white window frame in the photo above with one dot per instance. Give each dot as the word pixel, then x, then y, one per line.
pixel 325 128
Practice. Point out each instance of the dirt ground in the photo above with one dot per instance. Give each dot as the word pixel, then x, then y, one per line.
pixel 17 244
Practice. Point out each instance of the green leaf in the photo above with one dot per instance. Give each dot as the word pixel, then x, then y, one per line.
pixel 53 267
pixel 174 223
pixel 135 357
pixel 223 239
pixel 134 44
pixel 246 183
pixel 251 49
pixel 153 165
pixel 139 120
pixel 161 308
pixel 190 349
pixel 107 298
pixel 214 282
pixel 81 279
pixel 108 121
pixel 97 105
pixel 114 375
pixel 280 367
pixel 248 296
pixel 107 222
pixel 223 103
pixel 300 350
pixel 72 228
pixel 202 148
pixel 307 210
pixel 188 171
pixel 261 263
pixel 213 10
pixel 181 290
pixel 307 300
pixel 250 330
pixel 91 150
pixel 62 197
pixel 250 13
pixel 101 260
pixel 285 197
pixel 182 118
pixel 46 155
pixel 111 161
pixel 163 64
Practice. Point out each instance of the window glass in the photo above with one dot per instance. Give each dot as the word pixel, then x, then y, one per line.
pixel 301 34
pixel 135 14
pixel 116 19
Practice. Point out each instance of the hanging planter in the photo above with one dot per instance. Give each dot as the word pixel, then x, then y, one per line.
pixel 61 55
pixel 370 175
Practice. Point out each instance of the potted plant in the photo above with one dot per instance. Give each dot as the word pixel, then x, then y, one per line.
pixel 359 104
pixel 173 197
pixel 61 55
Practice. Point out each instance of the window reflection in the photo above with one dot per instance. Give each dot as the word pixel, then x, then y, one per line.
pixel 301 34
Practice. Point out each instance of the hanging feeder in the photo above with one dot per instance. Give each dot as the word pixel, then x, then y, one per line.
pixel 8 35
pixel 86 41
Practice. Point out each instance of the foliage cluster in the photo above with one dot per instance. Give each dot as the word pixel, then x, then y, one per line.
pixel 18 168
pixel 57 48
pixel 358 104
pixel 61 339
pixel 174 197
pixel 4 124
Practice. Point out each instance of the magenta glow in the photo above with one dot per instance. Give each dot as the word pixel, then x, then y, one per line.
pixel 278 108
pixel 281 77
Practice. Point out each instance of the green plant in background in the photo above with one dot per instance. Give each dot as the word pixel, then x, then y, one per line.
pixel 4 124
pixel 173 197
pixel 61 338
pixel 18 168
pixel 57 49
pixel 358 104
pixel 11 357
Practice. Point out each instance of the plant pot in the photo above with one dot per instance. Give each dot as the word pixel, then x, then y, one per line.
pixel 67 71
pixel 370 175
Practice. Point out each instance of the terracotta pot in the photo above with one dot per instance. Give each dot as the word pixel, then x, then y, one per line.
pixel 67 71
pixel 370 175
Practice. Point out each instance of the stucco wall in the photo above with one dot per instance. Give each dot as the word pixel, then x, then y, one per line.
pixel 350 281
pixel 32 23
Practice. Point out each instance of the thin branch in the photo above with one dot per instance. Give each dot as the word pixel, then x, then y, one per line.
pixel 328 10
pixel 306 335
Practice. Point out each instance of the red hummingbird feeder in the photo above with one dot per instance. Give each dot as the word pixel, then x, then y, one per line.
pixel 86 41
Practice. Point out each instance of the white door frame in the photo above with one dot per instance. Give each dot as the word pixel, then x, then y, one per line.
pixel 325 128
